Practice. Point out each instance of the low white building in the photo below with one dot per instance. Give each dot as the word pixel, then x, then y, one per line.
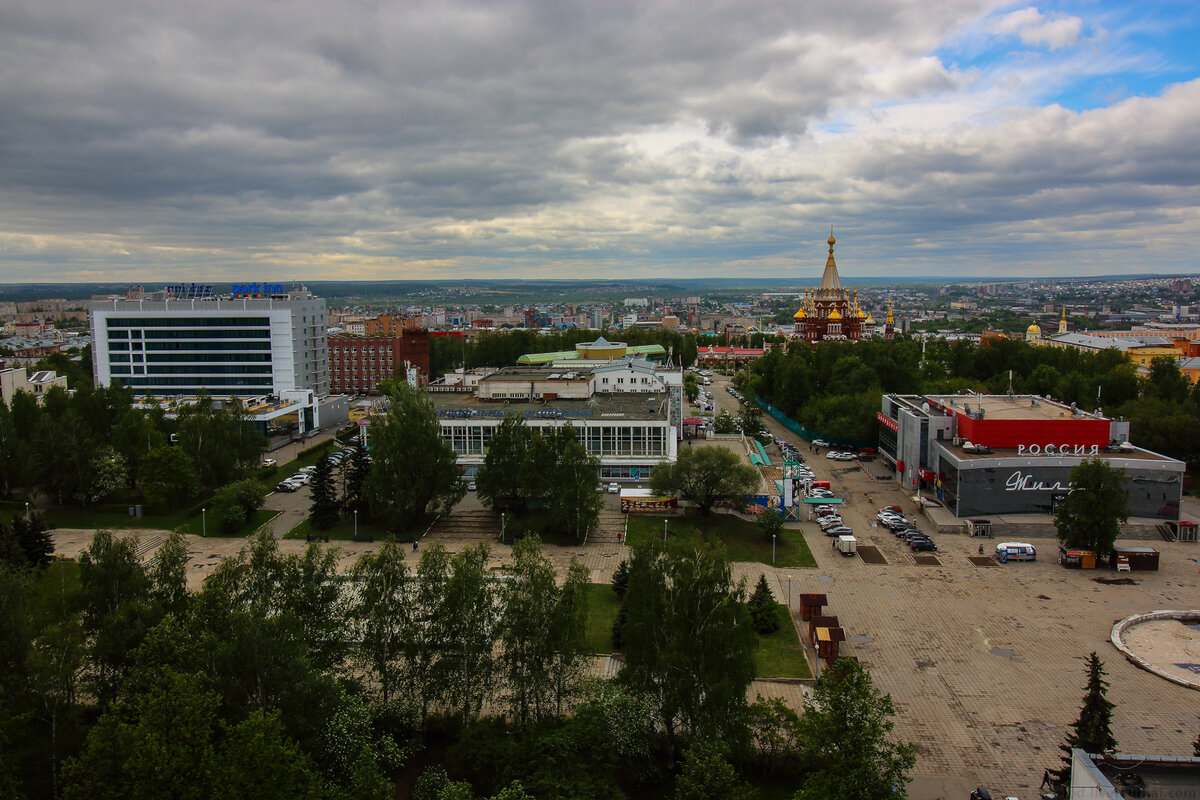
pixel 17 380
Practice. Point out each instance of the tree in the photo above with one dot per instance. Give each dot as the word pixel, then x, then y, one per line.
pixel 468 620
pixel 708 775
pixel 703 475
pixel 1165 381
pixel 568 629
pixel 691 386
pixel 13 451
pixel 769 524
pixel 33 537
pixel 168 574
pixel 620 578
pixel 845 730
pixel 775 735
pixel 749 420
pixel 573 502
pixel 499 478
pixel 324 509
pixel 724 423
pixel 355 475
pixel 687 639
pixel 414 473
pixel 234 505
pixel 1091 515
pixel 526 655
pixel 1092 731
pixel 109 473
pixel 169 478
pixel 383 610
pixel 425 643
pixel 221 443
pixel 762 607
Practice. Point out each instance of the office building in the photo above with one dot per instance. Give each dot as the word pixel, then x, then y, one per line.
pixel 264 339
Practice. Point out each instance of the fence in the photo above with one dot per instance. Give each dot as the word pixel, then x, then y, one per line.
pixel 800 430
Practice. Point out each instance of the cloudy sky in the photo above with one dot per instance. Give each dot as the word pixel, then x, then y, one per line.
pixel 163 140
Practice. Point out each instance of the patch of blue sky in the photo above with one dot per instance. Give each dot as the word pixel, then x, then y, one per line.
pixel 1122 49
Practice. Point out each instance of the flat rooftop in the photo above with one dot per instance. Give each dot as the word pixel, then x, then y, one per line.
pixel 597 408
pixel 1012 452
pixel 1018 406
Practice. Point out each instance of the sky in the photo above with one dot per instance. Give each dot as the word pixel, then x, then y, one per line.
pixel 163 141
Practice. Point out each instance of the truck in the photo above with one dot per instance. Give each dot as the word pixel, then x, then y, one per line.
pixel 847 545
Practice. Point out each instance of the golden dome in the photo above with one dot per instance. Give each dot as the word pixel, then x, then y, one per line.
pixel 834 314
pixel 831 239
pixel 799 314
pixel 870 320
pixel 862 314
pixel 1033 329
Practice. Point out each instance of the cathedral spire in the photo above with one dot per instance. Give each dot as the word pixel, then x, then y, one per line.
pixel 830 282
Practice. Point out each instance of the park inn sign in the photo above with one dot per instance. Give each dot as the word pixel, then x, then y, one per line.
pixel 1058 450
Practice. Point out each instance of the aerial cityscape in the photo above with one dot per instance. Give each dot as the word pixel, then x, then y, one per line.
pixel 522 400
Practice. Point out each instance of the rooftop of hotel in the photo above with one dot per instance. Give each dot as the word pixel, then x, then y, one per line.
pixel 1010 407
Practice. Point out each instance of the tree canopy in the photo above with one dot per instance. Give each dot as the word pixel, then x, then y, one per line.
pixel 704 475
pixel 1091 515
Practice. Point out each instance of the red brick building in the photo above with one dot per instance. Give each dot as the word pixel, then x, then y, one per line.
pixel 358 363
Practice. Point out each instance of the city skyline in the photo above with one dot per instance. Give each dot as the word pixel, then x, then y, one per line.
pixel 650 141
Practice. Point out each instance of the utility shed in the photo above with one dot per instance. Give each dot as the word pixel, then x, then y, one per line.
pixel 811 605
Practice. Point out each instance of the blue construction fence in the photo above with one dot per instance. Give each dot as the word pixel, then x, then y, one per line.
pixel 798 429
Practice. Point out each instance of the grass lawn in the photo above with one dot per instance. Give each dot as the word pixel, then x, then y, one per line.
pixel 195 525
pixel 343 531
pixel 779 654
pixel 97 519
pixel 740 538
pixel 603 604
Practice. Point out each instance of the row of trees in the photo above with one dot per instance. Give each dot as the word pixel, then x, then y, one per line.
pixel 835 387
pixel 90 445
pixel 543 476
pixel 283 678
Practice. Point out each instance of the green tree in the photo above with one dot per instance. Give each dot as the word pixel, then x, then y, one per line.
pixel 234 505
pixel 1165 380
pixel 708 775
pixel 1092 731
pixel 355 476
pixel 467 664
pixel 845 730
pixel 117 609
pixel 775 736
pixel 568 629
pixel 687 640
pixel 500 477
pixel 1095 508
pixel 168 575
pixel 704 475
pixel 691 387
pixel 527 650
pixel 110 473
pixel 169 478
pixel 425 644
pixel 573 502
pixel 135 435
pixel 762 607
pixel 13 450
pixel 383 609
pixel 749 420
pixel 413 471
pixel 33 537
pixel 620 578
pixel 324 508
pixel 769 524
pixel 724 423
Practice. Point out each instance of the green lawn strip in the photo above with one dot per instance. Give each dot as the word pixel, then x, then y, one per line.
pixel 99 518
pixel 195 525
pixel 741 538
pixel 603 605
pixel 343 531
pixel 779 654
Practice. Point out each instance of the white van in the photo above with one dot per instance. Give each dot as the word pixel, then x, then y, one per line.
pixel 1016 551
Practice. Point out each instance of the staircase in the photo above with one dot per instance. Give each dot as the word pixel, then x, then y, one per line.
pixel 479 525
pixel 610 527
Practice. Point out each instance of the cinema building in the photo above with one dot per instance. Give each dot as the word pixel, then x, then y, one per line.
pixel 1013 454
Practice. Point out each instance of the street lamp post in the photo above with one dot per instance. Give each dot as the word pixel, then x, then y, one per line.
pixel 203 522
pixel 664 531
pixel 26 510
pixel 772 549
pixel 356 524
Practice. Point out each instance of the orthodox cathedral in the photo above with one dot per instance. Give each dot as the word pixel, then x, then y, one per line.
pixel 831 313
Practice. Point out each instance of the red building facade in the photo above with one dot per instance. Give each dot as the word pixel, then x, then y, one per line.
pixel 358 363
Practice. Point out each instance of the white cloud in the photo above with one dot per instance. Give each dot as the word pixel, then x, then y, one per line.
pixel 1035 28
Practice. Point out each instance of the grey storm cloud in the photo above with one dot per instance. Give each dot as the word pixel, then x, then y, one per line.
pixel 381 140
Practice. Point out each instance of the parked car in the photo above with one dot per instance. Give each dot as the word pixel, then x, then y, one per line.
pixel 287 486
pixel 301 478
pixel 267 463
pixel 893 509
pixel 820 443
pixel 839 530
pixel 923 544
pixel 614 488
pixel 471 486
pixel 308 470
